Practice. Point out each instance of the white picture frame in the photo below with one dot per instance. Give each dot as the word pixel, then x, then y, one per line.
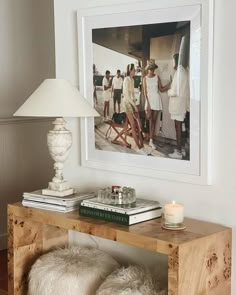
pixel 200 15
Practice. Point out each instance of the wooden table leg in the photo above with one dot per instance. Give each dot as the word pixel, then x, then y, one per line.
pixel 173 272
pixel 27 240
pixel 204 268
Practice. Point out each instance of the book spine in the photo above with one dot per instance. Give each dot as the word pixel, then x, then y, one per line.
pixel 40 200
pixel 104 215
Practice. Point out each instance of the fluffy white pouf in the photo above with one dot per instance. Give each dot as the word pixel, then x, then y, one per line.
pixel 133 280
pixel 73 271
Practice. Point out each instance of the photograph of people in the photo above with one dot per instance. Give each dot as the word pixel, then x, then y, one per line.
pixel 178 102
pixel 144 97
pixel 106 84
pixel 153 105
pixel 117 83
pixel 130 108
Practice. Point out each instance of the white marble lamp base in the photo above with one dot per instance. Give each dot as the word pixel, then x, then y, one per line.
pixel 58 189
pixel 59 142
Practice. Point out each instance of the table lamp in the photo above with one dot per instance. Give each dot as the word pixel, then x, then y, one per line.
pixel 57 98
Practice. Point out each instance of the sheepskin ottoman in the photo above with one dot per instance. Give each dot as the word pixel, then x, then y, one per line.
pixel 72 271
pixel 133 280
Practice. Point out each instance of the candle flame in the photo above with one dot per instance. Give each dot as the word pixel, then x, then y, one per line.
pixel 173 202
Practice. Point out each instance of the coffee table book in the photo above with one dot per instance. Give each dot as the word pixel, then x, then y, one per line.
pixel 67 201
pixel 50 207
pixel 65 204
pixel 140 205
pixel 120 218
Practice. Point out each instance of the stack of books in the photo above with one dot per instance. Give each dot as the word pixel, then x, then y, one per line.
pixel 141 210
pixel 66 204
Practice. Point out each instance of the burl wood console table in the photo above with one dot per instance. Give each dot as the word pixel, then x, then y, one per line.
pixel 199 258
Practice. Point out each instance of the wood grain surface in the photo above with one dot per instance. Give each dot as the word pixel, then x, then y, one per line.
pixel 199 257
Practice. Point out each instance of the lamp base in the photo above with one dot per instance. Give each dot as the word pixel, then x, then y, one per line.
pixel 65 193
pixel 61 189
pixel 59 142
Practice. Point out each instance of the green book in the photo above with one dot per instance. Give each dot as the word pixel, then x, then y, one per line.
pixel 120 218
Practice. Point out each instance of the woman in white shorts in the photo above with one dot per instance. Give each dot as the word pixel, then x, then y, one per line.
pixel 153 105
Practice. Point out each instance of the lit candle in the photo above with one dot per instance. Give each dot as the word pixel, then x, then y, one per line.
pixel 173 213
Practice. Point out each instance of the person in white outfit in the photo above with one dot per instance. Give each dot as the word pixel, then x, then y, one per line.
pixel 117 83
pixel 131 110
pixel 106 84
pixel 153 105
pixel 179 94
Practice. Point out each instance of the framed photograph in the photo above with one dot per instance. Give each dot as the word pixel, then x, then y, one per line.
pixel 147 69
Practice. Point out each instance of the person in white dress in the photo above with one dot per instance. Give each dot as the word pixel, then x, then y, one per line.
pixel 179 94
pixel 153 105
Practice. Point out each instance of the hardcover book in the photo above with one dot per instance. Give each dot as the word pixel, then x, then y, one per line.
pixel 140 205
pixel 47 206
pixel 68 201
pixel 121 218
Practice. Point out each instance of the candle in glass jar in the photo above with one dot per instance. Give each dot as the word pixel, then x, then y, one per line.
pixel 174 213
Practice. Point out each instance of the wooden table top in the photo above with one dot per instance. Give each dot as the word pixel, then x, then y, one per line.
pixel 149 234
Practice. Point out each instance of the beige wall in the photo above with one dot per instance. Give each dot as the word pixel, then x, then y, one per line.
pixel 25 163
pixel 27 50
pixel 27 57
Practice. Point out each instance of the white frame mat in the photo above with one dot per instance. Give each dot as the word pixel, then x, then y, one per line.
pixel 200 14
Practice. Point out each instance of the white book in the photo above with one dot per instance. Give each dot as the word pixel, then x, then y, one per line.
pixel 119 218
pixel 47 206
pixel 141 205
pixel 68 201
pixel 144 216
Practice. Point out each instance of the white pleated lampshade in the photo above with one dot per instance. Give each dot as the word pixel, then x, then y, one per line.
pixel 56 98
